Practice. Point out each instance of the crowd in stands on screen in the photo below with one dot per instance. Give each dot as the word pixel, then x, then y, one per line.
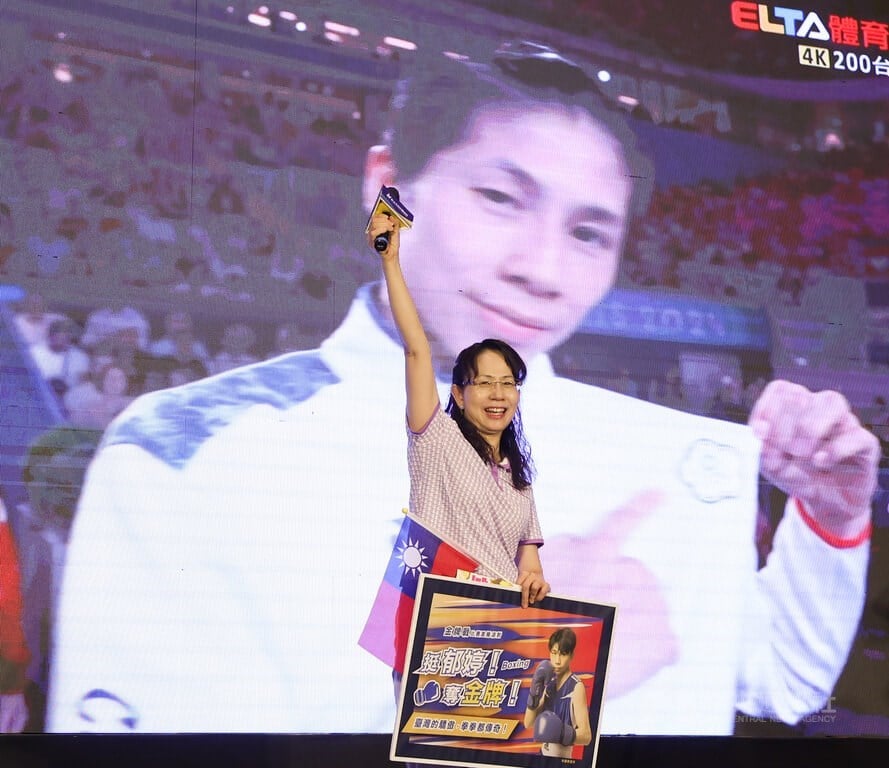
pixel 135 224
pixel 225 198
pixel 185 373
pixel 92 213
pixel 32 321
pixel 60 361
pixel 730 400
pixel 120 336
pixel 624 383
pixel 728 403
pixel 97 372
pixel 759 238
pixel 118 359
pixel 154 194
pixel 179 341
pixel 117 323
pixel 238 341
pixel 102 394
pixel 289 337
pixel 220 274
pixel 669 391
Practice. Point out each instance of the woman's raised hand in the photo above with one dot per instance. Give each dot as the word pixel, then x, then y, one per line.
pixel 380 224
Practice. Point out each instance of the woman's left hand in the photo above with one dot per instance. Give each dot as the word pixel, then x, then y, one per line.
pixel 534 587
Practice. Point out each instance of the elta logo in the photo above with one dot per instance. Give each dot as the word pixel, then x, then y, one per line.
pixel 779 21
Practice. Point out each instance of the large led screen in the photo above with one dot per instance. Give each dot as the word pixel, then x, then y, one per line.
pixel 677 213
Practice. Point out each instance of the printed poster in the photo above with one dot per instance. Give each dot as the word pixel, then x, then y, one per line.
pixel 489 683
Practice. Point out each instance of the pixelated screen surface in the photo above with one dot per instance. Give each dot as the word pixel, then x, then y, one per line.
pixel 675 212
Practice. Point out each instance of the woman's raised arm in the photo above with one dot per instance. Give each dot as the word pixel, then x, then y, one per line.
pixel 419 373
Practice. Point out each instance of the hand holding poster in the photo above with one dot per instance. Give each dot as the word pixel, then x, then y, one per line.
pixel 489 683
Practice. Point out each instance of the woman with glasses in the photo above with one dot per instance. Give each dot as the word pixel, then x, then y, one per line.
pixel 470 472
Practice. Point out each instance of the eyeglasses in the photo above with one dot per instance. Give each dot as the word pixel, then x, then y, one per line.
pixel 484 384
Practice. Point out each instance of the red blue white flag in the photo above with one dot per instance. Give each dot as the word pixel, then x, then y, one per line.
pixel 417 550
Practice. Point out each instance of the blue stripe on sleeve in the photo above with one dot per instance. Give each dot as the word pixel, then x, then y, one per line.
pixel 172 424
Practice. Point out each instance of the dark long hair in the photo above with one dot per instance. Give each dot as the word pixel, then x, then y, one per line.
pixel 512 442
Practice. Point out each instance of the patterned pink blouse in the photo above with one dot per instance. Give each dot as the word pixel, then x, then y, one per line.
pixel 470 504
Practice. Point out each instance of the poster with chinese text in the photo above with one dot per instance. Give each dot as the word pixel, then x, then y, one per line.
pixel 489 683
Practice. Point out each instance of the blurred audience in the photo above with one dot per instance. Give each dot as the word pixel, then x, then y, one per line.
pixel 670 391
pixel 728 402
pixel 33 319
pixel 767 233
pixel 179 341
pixel 116 324
pixel 289 337
pixel 237 344
pixel 752 392
pixel 60 361
pixel 96 400
pixel 624 383
pixel 151 373
pixel 184 373
pixel 116 207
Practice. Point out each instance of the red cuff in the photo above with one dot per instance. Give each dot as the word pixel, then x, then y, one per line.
pixel 827 536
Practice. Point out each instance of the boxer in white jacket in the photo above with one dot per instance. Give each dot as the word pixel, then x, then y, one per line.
pixel 232 533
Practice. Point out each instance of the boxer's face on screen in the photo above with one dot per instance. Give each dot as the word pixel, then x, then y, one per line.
pixel 518 229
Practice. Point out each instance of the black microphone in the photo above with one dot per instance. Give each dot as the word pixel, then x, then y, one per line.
pixel 381 242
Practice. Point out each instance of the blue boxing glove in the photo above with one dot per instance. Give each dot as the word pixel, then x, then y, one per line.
pixel 548 727
pixel 427 694
pixel 544 678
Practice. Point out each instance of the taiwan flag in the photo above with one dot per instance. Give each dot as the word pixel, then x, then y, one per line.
pixel 417 550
